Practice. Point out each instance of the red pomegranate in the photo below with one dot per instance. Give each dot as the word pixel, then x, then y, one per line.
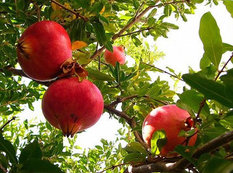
pixel 42 49
pixel 172 120
pixel 71 105
pixel 117 55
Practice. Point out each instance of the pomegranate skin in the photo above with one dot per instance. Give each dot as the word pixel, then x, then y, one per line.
pixel 117 55
pixel 42 49
pixel 71 105
pixel 172 120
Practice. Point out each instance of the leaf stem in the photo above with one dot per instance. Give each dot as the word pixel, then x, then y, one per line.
pixel 134 32
pixel 175 76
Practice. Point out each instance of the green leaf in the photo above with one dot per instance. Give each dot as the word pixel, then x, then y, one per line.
pixel 205 61
pixel 152 13
pixel 158 140
pixel 210 88
pixel 77 31
pixel 116 72
pixel 211 38
pixel 167 10
pixel 32 150
pixel 229 6
pixel 190 100
pixel 134 158
pixel 99 31
pixel 135 147
pixel 187 155
pixel 227 47
pixel 217 165
pixel 8 148
pixel 136 41
pixel 108 45
pixel 38 166
pixel 227 122
pixel 97 75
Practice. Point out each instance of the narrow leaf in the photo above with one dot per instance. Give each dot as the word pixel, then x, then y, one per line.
pixel 135 147
pixel 32 150
pixel 229 6
pixel 97 75
pixel 99 31
pixel 210 88
pixel 134 158
pixel 211 38
pixel 39 166
pixel 8 148
pixel 158 141
pixel 227 47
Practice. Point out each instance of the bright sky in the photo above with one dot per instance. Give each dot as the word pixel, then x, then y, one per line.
pixel 183 48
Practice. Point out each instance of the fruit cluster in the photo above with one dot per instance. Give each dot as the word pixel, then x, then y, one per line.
pixel 72 105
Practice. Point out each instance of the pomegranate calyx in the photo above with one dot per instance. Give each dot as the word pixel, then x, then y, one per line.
pixel 70 67
pixel 22 49
pixel 189 123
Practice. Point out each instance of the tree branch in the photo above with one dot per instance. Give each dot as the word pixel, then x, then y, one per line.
pixel 132 22
pixel 2 168
pixel 70 10
pixel 162 166
pixel 1 129
pixel 21 73
pixel 129 120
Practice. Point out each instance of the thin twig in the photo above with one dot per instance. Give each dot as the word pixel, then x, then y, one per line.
pixel 130 121
pixel 119 100
pixel 175 76
pixel 139 8
pixel 203 102
pixel 13 118
pixel 70 10
pixel 131 23
pixel 131 33
pixel 2 168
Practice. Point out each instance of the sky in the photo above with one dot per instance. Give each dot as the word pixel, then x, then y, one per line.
pixel 182 48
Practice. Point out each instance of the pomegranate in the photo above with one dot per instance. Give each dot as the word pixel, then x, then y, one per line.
pixel 117 55
pixel 72 105
pixel 172 120
pixel 42 49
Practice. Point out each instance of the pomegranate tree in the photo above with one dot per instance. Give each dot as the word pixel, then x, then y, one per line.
pixel 42 49
pixel 172 120
pixel 118 55
pixel 72 105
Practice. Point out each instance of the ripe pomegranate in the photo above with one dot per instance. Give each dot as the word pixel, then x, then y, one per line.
pixel 117 55
pixel 42 49
pixel 72 105
pixel 172 120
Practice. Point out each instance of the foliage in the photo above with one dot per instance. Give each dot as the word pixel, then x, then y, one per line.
pixel 130 91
